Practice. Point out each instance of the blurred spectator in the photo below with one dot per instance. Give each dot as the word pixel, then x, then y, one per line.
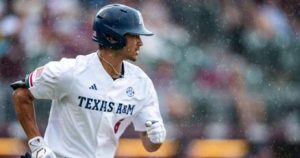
pixel 11 58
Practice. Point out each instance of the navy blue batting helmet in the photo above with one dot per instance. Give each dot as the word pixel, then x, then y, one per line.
pixel 114 21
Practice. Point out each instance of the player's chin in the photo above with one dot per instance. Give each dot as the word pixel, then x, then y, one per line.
pixel 133 58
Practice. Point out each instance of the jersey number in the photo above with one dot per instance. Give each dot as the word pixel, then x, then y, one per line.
pixel 117 125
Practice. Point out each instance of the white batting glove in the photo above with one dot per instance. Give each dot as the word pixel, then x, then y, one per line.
pixel 39 149
pixel 156 131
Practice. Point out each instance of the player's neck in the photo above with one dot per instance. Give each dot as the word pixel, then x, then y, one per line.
pixel 112 63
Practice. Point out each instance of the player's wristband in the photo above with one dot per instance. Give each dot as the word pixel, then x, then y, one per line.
pixel 19 84
pixel 24 83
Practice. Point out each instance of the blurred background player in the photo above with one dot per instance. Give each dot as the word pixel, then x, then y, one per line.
pixel 95 96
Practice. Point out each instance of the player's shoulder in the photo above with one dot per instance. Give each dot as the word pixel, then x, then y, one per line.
pixel 78 63
pixel 63 64
pixel 83 61
pixel 134 70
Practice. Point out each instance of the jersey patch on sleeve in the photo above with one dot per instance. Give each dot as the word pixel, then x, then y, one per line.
pixel 34 75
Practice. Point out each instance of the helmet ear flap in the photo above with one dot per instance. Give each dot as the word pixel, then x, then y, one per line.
pixel 108 38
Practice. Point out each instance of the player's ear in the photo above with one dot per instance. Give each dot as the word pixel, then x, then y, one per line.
pixel 111 39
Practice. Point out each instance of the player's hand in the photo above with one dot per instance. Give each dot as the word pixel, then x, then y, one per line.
pixel 156 131
pixel 39 149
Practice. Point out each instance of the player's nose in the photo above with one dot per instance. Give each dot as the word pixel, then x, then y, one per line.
pixel 140 42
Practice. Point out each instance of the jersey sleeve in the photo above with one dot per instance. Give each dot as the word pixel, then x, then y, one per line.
pixel 50 80
pixel 150 111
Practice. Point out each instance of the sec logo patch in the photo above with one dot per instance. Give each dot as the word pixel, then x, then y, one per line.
pixel 130 92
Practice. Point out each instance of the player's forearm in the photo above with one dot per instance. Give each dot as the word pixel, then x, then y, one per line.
pixel 23 101
pixel 149 146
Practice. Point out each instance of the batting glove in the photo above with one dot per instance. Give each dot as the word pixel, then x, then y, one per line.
pixel 156 132
pixel 39 149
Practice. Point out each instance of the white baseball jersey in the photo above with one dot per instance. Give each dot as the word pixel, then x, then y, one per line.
pixel 90 110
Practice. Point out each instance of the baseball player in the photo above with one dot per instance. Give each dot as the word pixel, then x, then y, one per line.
pixel 94 97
